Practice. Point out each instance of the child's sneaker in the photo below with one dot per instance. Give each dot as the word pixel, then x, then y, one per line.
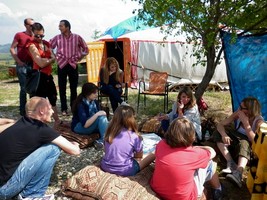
pixel 98 145
pixel 217 194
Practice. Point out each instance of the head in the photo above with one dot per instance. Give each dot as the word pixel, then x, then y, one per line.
pixel 111 66
pixel 38 31
pixel 187 97
pixel 250 106
pixel 28 22
pixel 124 117
pixel 89 91
pixel 181 133
pixel 64 26
pixel 39 108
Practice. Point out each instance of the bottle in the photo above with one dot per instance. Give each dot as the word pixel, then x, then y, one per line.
pixel 207 135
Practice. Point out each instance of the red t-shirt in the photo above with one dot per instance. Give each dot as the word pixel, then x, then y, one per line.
pixel 173 177
pixel 22 51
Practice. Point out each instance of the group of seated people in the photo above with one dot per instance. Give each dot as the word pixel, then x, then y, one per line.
pixel 29 147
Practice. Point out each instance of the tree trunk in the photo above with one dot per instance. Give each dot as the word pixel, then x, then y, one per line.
pixel 210 69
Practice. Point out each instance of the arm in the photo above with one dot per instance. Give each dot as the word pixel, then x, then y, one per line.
pixel 41 62
pixel 5 123
pixel 67 146
pixel 211 150
pixel 14 53
pixel 220 127
pixel 91 120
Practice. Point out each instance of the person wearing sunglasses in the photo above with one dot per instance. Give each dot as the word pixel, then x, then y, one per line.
pixel 23 60
pixel 71 48
pixel 234 143
pixel 43 58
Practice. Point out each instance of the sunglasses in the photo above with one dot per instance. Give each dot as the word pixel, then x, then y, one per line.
pixel 242 108
pixel 39 36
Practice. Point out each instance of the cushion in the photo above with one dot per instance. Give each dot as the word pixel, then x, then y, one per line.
pixel 151 125
pixel 93 183
pixel 83 140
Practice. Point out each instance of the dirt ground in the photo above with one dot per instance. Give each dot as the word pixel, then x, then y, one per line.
pixel 9 101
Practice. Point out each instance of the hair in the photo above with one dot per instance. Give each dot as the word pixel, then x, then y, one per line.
pixel 87 90
pixel 181 133
pixel 66 23
pixel 124 117
pixel 37 26
pixel 253 106
pixel 106 68
pixel 26 20
pixel 190 94
pixel 34 103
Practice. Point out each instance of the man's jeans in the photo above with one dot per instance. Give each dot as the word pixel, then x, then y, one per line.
pixel 21 73
pixel 32 176
pixel 100 125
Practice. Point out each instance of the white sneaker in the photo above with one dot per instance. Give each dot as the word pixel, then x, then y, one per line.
pixel 45 197
pixel 124 104
pixel 231 166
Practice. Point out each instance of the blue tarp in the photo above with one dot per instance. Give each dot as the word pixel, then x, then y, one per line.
pixel 246 62
pixel 127 26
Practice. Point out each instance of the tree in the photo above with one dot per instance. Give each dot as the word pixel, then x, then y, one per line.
pixel 201 21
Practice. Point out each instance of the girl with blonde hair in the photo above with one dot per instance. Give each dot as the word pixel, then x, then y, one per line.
pixel 111 82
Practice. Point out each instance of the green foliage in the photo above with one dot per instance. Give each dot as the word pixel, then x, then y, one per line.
pixel 202 21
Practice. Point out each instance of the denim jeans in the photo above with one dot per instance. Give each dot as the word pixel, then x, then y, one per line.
pixel 32 176
pixel 114 95
pixel 21 73
pixel 73 75
pixel 100 125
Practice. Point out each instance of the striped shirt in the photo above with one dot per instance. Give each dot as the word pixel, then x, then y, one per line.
pixel 69 49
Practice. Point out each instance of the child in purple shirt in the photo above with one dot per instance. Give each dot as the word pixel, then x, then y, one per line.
pixel 123 145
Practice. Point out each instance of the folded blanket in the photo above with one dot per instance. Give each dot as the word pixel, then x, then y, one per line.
pixel 83 140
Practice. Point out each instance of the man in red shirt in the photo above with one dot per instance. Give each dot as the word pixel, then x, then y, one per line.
pixel 23 60
pixel 70 49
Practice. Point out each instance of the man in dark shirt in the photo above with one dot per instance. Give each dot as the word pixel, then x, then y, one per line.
pixel 28 152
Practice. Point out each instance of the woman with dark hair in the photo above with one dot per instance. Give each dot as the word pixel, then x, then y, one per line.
pixel 43 58
pixel 185 106
pixel 87 116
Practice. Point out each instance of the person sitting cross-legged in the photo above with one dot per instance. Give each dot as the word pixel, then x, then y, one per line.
pixel 28 152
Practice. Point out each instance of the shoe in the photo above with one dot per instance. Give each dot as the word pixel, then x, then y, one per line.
pixel 98 145
pixel 124 104
pixel 45 197
pixel 235 177
pixel 217 194
pixel 231 166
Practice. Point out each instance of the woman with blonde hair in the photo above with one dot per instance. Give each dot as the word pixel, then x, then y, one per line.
pixel 247 119
pixel 111 82
pixel 123 145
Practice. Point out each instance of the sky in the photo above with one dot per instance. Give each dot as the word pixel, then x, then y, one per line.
pixel 85 16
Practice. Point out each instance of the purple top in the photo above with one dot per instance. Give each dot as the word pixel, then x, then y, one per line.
pixel 119 155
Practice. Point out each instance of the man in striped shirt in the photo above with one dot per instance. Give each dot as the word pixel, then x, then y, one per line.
pixel 70 49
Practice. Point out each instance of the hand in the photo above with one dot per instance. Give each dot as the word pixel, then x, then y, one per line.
pixel 20 63
pixel 118 86
pixel 162 117
pixel 180 105
pixel 243 117
pixel 226 140
pixel 101 113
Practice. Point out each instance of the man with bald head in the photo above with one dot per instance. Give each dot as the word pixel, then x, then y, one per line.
pixel 28 152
